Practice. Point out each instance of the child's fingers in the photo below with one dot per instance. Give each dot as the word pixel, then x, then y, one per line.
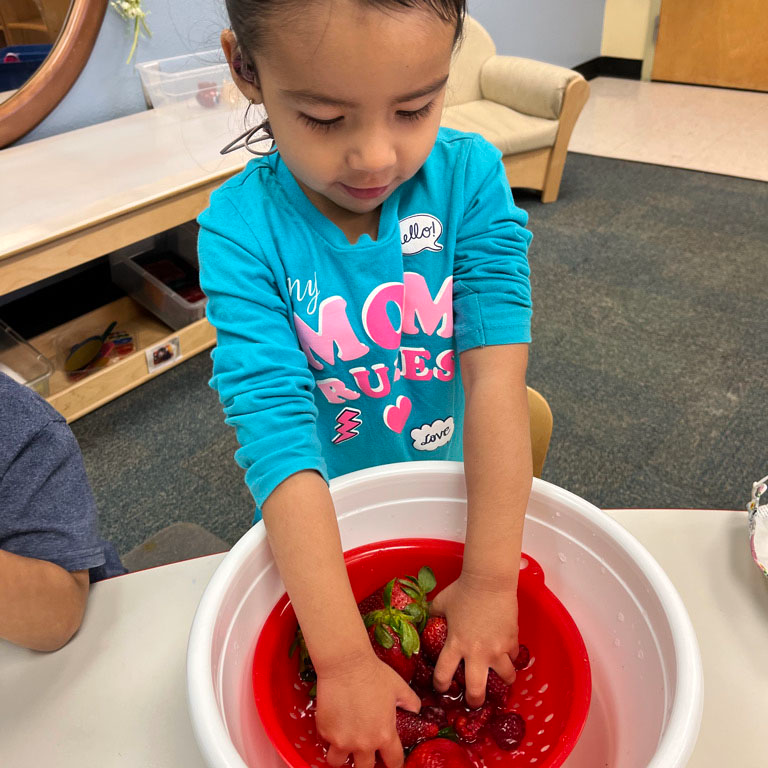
pixel 336 757
pixel 364 759
pixel 505 669
pixel 476 676
pixel 445 668
pixel 409 699
pixel 391 753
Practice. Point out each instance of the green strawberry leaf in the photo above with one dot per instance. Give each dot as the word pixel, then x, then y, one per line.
pixel 447 733
pixel 409 638
pixel 371 618
pixel 313 691
pixel 293 647
pixel 414 594
pixel 388 593
pixel 383 638
pixel 427 580
pixel 414 610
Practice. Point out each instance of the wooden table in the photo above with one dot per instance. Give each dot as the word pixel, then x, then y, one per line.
pixel 116 695
pixel 72 198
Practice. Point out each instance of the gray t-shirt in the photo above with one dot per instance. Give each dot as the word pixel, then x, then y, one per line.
pixel 47 510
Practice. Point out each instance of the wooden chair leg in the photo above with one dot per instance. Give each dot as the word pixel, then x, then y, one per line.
pixel 574 99
pixel 541 429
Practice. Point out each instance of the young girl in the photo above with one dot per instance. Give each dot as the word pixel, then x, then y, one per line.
pixel 356 278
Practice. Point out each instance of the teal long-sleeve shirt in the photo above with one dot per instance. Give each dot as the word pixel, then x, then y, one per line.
pixel 334 356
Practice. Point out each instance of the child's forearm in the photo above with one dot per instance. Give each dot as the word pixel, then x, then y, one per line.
pixel 41 604
pixel 304 537
pixel 497 461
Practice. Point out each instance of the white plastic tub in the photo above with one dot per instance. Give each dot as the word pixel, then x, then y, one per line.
pixel 647 679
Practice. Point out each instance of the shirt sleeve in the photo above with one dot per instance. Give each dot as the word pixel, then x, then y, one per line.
pixel 259 370
pixel 58 522
pixel 492 290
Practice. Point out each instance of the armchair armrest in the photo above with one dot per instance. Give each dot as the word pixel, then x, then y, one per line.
pixel 532 87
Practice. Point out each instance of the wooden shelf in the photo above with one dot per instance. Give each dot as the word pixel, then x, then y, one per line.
pixel 75 399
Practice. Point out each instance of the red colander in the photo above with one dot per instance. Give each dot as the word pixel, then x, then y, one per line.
pixel 552 693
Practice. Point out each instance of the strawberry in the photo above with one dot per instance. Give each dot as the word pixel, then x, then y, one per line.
pixel 407 594
pixel 422 676
pixel 306 669
pixel 433 637
pixel 496 690
pixel 438 753
pixel 522 659
pixel 413 728
pixel 389 647
pixel 467 725
pixel 371 603
pixel 508 730
pixel 435 715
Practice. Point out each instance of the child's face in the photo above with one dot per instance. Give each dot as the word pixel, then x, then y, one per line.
pixel 389 69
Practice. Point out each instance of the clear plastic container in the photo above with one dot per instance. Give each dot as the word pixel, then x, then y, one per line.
pixel 22 362
pixel 149 291
pixel 201 79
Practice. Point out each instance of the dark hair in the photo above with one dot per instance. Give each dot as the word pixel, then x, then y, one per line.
pixel 249 18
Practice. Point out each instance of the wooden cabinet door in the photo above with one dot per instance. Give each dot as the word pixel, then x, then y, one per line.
pixel 713 42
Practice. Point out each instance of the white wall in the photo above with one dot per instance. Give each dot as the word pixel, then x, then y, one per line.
pixel 564 32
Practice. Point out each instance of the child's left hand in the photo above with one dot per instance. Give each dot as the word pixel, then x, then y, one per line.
pixel 482 629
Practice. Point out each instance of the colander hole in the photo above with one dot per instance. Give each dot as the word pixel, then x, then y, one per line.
pixel 530 677
pixel 548 718
pixel 543 687
pixel 516 705
pixel 524 691
pixel 293 715
pixel 538 733
pixel 530 717
pixel 534 759
pixel 302 738
pixel 538 703
pixel 297 686
pixel 297 745
pixel 528 743
pixel 545 748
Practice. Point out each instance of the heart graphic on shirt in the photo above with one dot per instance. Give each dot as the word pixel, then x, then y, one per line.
pixel 395 416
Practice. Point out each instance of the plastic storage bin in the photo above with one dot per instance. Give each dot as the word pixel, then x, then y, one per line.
pixel 647 690
pixel 19 62
pixel 200 78
pixel 131 271
pixel 22 362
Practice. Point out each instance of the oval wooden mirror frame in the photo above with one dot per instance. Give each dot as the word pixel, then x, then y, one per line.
pixel 49 84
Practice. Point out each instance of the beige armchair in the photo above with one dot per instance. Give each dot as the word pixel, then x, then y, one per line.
pixel 526 108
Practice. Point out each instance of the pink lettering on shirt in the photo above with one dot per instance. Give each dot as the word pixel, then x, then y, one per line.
pixel 430 313
pixel 333 330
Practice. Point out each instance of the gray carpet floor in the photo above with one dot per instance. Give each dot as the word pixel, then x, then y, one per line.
pixel 650 343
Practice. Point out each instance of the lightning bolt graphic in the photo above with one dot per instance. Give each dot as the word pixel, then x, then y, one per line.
pixel 347 423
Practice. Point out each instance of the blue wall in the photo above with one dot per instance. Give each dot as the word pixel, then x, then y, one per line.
pixel 565 32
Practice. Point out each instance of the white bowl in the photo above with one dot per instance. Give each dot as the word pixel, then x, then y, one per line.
pixel 647 692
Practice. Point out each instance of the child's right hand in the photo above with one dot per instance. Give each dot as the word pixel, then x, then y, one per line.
pixel 356 712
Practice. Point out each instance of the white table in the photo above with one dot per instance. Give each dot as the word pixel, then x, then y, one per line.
pixel 116 695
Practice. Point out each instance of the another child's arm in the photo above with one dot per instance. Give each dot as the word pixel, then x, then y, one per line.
pixel 41 604
pixel 357 694
pixel 481 607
